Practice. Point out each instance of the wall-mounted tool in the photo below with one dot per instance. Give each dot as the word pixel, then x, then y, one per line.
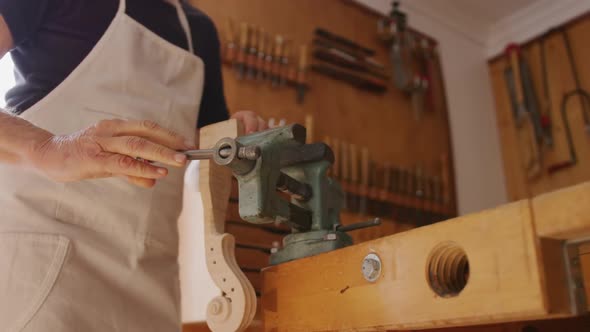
pixel 345 42
pixel 262 45
pixel 285 63
pixel 301 80
pixel 241 57
pixel 230 49
pixel 392 30
pixel 364 183
pixel 585 104
pixel 279 160
pixel 524 118
pixel 275 76
pixel 352 78
pixel 546 122
pixel 252 57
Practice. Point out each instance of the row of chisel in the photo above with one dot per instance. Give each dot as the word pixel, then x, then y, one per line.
pixel 257 55
pixel 392 192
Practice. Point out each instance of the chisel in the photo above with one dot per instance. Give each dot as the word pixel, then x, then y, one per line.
pixel 240 64
pixel 532 163
pixel 252 58
pixel 277 60
pixel 384 201
pixel 262 40
pixel 229 54
pixel 345 175
pixel 343 41
pixel 301 74
pixel 284 70
pixel 353 198
pixel 268 59
pixel 364 188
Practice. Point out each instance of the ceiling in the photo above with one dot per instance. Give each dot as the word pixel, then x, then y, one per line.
pixel 490 12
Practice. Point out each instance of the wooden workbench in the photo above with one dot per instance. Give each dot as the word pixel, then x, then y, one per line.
pixel 516 272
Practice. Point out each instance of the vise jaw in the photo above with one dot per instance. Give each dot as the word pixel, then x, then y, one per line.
pixel 282 179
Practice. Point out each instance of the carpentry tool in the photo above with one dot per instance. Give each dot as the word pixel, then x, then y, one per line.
pixel 268 59
pixel 532 163
pixel 585 104
pixel 345 173
pixel 392 30
pixel 343 41
pixel 279 160
pixel 262 45
pixel 229 54
pixel 364 83
pixel 374 178
pixel 546 122
pixel 301 71
pixel 370 62
pixel 353 198
pixel 345 60
pixel 277 60
pixel 252 58
pixel 384 203
pixel 240 64
pixel 284 69
pixel 364 184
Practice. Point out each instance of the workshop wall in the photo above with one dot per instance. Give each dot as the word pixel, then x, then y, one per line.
pixel 476 145
pixel 384 123
pixel 560 81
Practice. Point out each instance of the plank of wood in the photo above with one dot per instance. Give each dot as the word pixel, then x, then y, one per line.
pixel 560 81
pixel 563 214
pixel 328 292
pixel 383 123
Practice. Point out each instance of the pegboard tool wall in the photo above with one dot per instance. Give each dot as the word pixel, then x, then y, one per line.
pixel 384 123
pixel 560 82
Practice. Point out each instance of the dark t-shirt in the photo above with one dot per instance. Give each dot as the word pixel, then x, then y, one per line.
pixel 52 37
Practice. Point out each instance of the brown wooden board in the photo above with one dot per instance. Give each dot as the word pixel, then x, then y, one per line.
pixel 515 255
pixel 560 81
pixel 383 123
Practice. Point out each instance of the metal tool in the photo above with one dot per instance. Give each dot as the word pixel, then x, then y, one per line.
pixel 240 64
pixel 229 54
pixel 546 122
pixel 277 161
pixel 277 61
pixel 301 74
pixel 585 103
pixel 525 120
pixel 252 58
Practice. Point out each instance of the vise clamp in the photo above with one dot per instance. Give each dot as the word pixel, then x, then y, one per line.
pixel 283 180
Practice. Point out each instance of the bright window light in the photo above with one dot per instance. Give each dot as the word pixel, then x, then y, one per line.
pixel 6 77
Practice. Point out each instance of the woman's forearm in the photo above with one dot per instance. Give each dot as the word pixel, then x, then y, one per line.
pixel 18 139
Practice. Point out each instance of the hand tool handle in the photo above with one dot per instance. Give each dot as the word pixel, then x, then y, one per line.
pixel 354 163
pixel 345 162
pixel 337 159
pixel 558 167
pixel 365 160
pixel 309 128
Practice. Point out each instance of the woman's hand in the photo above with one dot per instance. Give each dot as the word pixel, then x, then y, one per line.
pixel 111 148
pixel 252 122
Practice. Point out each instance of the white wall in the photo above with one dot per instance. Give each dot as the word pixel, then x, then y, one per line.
pixel 477 157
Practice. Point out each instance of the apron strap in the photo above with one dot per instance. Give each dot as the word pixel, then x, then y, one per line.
pixel 185 25
pixel 122 5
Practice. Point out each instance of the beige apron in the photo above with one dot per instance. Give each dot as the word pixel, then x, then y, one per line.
pixel 101 255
